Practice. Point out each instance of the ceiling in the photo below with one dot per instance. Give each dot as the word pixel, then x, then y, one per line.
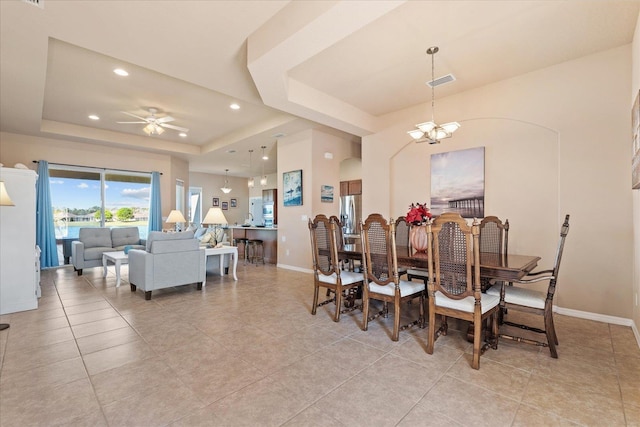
pixel 339 66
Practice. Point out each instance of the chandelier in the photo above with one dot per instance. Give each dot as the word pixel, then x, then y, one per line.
pixel 226 189
pixel 263 180
pixel 432 132
pixel 251 181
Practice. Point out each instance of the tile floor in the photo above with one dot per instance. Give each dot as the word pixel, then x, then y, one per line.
pixel 251 354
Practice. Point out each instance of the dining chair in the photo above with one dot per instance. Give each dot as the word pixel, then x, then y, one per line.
pixel 326 267
pixel 403 231
pixel 454 282
pixel 532 301
pixel 494 239
pixel 382 282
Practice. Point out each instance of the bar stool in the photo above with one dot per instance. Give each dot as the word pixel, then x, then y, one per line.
pixel 245 244
pixel 254 246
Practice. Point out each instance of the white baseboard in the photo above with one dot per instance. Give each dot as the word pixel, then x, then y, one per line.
pixel 294 268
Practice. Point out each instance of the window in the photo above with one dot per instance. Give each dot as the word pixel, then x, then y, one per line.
pixel 90 197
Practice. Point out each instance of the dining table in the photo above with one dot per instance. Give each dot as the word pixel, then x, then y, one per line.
pixel 507 268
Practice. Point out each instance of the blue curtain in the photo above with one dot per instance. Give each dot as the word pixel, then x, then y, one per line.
pixel 155 205
pixel 45 229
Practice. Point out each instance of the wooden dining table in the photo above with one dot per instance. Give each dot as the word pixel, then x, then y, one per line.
pixel 492 266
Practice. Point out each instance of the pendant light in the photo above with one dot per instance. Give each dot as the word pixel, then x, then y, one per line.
pixel 432 132
pixel 226 189
pixel 251 181
pixel 263 180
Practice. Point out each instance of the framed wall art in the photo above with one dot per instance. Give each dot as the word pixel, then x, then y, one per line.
pixel 292 188
pixel 234 203
pixel 326 194
pixel 457 182
pixel 225 206
pixel 216 202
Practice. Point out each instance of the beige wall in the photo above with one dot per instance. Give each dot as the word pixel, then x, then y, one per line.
pixel 305 151
pixel 211 183
pixel 24 149
pixel 635 88
pixel 557 141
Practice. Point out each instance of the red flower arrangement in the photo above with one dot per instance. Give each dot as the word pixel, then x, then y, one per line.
pixel 418 213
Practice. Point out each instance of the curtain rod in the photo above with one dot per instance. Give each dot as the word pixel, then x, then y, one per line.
pixel 93 167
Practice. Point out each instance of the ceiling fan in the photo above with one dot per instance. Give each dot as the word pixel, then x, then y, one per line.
pixel 155 125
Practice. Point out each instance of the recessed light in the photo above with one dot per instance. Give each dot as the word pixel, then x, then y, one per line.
pixel 182 134
pixel 94 117
pixel 234 106
pixel 121 72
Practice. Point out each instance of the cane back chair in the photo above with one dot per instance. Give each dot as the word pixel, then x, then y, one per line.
pixel 523 299
pixel 383 283
pixel 326 267
pixel 494 239
pixel 454 285
pixel 403 233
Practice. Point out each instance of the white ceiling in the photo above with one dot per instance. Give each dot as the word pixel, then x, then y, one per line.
pixel 336 66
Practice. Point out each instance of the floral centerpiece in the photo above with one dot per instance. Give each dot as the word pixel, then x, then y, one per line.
pixel 418 214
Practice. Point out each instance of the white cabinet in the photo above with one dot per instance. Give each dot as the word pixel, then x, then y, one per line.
pixel 18 268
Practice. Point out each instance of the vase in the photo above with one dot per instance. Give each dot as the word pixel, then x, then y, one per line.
pixel 418 238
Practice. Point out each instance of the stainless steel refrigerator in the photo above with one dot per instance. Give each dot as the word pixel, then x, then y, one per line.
pixel 350 215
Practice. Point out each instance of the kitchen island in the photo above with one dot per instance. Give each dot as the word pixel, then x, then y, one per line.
pixel 269 236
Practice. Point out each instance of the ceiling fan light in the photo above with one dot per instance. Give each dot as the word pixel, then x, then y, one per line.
pixel 148 129
pixel 158 129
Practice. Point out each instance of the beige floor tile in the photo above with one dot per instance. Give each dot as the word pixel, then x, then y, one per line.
pixel 415 349
pixel 314 416
pixel 419 415
pixel 46 406
pixel 632 414
pixel 528 416
pixel 39 356
pixel 84 308
pixel 157 407
pixel 201 418
pixel 98 327
pixel 53 374
pixel 92 316
pixel 583 405
pixel 138 377
pixel 21 342
pixel 104 340
pixel 119 355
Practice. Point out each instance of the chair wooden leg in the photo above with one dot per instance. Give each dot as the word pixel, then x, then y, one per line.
pixel 365 313
pixel 550 332
pixel 316 290
pixel 396 319
pixel 477 344
pixel 336 317
pixel 432 331
pixel 421 320
pixel 496 329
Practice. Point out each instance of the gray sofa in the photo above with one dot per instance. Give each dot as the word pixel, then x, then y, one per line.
pixel 169 259
pixel 87 251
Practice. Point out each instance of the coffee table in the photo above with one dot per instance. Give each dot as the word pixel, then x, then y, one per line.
pixel 224 250
pixel 118 258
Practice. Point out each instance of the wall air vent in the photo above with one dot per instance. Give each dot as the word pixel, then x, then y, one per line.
pixel 441 80
pixel 39 3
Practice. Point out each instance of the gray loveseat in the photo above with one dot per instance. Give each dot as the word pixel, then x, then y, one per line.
pixel 87 251
pixel 170 259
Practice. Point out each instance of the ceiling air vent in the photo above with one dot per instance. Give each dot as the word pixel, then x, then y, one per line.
pixel 39 3
pixel 441 80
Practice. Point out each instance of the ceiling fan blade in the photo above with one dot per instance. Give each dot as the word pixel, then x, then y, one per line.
pixel 164 125
pixel 165 119
pixel 131 122
pixel 137 117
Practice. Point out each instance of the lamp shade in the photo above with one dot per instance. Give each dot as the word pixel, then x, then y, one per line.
pixel 5 200
pixel 175 216
pixel 215 216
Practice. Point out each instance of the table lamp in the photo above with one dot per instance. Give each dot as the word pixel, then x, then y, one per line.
pixel 216 217
pixel 5 200
pixel 175 217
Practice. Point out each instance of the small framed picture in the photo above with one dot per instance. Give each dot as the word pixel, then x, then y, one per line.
pixel 234 203
pixel 292 182
pixel 326 194
pixel 216 202
pixel 225 206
